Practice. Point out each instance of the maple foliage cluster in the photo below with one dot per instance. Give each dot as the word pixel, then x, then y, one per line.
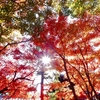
pixel 76 48
pixel 17 71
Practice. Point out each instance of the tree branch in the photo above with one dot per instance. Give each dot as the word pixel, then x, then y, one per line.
pixel 9 44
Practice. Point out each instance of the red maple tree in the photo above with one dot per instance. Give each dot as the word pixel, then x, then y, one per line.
pixel 17 71
pixel 76 49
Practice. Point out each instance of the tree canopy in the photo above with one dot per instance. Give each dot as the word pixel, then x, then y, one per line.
pixel 66 30
pixel 28 16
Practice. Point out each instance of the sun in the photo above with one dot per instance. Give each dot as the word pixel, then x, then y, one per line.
pixel 46 60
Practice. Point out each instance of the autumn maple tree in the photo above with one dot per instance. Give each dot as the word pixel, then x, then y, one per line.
pixel 76 48
pixel 17 71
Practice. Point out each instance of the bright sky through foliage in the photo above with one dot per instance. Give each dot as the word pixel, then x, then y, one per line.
pixel 15 35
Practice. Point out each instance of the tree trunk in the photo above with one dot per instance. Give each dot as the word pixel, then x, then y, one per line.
pixel 69 80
